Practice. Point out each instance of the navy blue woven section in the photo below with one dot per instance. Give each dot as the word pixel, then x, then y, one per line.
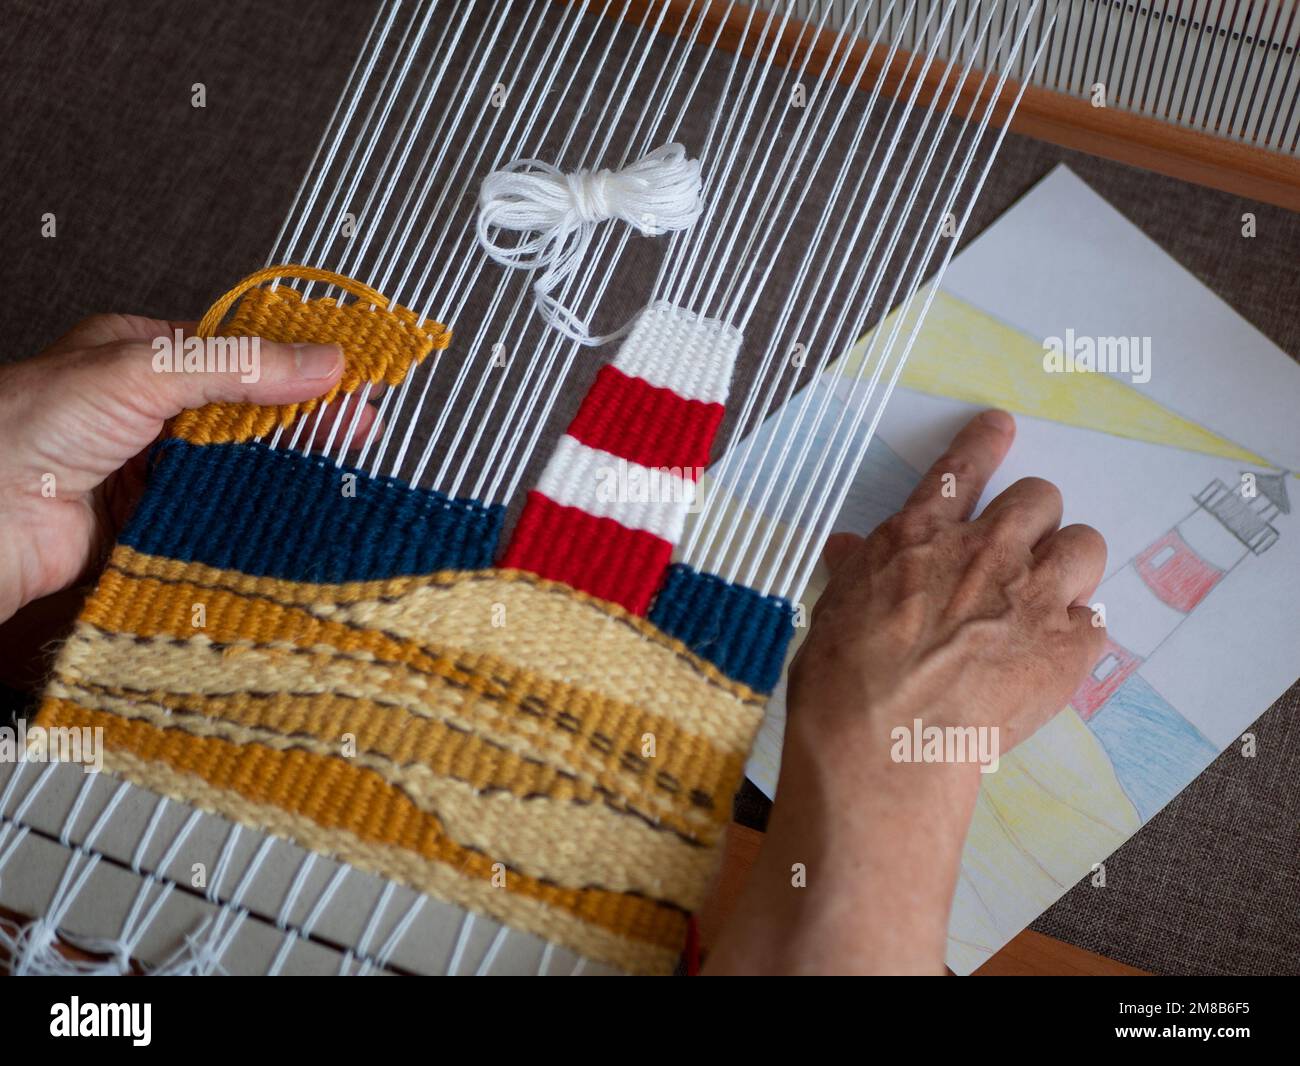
pixel 277 513
pixel 744 634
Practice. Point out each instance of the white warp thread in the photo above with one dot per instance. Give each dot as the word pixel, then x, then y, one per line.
pixel 657 194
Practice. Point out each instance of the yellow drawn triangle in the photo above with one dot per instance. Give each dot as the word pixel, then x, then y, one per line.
pixel 967 355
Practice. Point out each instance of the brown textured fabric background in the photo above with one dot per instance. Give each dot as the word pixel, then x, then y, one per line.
pixel 160 206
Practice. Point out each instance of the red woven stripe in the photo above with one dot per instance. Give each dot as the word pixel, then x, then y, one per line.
pixel 645 424
pixel 597 555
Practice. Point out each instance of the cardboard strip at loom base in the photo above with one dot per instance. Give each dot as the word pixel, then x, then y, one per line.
pixel 298 916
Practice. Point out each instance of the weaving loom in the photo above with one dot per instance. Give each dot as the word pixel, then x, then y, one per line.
pixel 546 725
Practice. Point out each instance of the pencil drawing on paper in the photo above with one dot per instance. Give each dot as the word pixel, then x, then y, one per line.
pixel 1197 524
pixel 1121 750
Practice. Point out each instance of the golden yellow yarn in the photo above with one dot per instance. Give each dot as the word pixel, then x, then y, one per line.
pixel 546 824
pixel 380 344
pixel 451 608
pixel 595 738
pixel 591 756
pixel 339 800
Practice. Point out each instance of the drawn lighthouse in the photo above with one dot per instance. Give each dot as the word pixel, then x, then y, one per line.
pixel 1153 594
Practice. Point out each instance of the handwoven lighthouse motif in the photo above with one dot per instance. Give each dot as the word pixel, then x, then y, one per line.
pixel 614 496
pixel 1153 594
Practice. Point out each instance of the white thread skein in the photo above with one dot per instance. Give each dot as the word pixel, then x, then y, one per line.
pixel 658 193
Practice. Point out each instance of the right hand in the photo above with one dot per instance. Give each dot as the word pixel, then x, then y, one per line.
pixel 954 621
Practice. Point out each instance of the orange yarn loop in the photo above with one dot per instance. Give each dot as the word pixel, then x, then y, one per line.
pixel 380 344
pixel 208 324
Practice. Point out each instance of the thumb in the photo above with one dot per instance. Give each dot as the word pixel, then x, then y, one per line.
pixel 83 413
pixel 163 380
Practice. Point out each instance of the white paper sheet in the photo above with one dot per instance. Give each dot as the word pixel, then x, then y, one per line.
pixel 1201 598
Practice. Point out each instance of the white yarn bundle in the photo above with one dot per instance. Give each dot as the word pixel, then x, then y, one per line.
pixel 658 193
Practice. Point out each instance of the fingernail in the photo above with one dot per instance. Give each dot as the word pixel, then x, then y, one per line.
pixel 315 361
pixel 998 420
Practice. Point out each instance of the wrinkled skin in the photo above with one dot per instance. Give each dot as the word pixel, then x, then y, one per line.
pixel 932 617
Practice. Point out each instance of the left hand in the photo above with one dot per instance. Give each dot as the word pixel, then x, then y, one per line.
pixel 75 422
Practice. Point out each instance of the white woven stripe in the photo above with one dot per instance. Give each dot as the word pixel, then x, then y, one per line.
pixel 635 496
pixel 678 350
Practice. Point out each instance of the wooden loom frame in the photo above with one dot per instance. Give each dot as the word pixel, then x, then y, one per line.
pixel 1110 133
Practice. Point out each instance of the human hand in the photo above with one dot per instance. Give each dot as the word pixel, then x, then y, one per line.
pixel 75 422
pixel 959 623
pixel 932 617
